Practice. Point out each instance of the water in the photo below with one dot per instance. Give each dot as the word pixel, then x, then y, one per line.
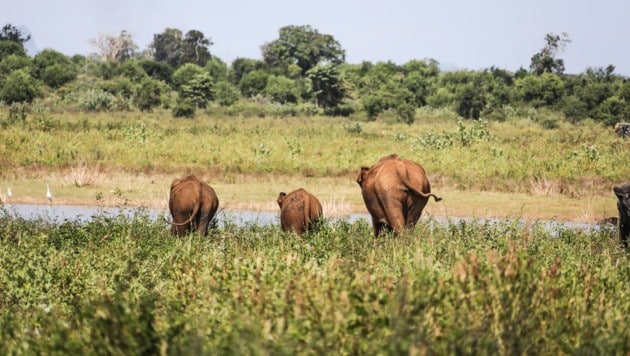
pixel 60 213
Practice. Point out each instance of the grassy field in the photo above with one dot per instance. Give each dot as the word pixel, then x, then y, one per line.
pixel 498 169
pixel 120 285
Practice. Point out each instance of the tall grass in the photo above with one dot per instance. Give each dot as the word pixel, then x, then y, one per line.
pixel 123 285
pixel 513 156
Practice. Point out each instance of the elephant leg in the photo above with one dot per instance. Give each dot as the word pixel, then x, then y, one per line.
pixel 378 227
pixel 395 217
pixel 415 211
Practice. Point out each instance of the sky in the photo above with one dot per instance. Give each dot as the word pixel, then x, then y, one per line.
pixel 459 34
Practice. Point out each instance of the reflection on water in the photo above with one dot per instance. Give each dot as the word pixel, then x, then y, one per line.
pixel 60 213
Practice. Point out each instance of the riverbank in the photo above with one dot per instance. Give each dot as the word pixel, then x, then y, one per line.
pixel 339 196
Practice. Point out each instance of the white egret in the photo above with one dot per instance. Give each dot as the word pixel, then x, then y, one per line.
pixel 48 193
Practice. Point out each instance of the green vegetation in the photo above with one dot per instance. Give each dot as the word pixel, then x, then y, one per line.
pixel 120 285
pixel 302 73
pixel 517 155
pixel 119 127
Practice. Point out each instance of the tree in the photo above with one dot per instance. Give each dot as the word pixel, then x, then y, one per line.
pixel 112 48
pixel 13 34
pixel 185 74
pixel 545 61
pixel 304 46
pixel 199 89
pixel 13 62
pixel 175 49
pixel 282 89
pixel 217 68
pixel 327 85
pixel 53 68
pixel 8 48
pixel 241 66
pixel 253 83
pixel 544 90
pixel 167 47
pixel 157 70
pixel 195 48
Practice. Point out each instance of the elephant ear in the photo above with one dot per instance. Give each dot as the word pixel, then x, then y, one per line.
pixel 362 174
pixel 281 198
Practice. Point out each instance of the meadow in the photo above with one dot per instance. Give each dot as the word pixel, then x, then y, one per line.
pixel 484 169
pixel 123 285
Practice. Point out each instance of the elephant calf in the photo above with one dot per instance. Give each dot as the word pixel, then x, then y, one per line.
pixel 299 210
pixel 395 192
pixel 623 205
pixel 192 204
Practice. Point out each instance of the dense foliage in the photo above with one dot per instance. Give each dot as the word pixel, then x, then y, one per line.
pixel 306 71
pixel 122 285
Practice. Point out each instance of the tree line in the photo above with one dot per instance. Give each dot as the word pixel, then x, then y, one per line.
pixel 301 72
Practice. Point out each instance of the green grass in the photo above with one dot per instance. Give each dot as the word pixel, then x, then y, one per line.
pixel 509 156
pixel 512 168
pixel 120 285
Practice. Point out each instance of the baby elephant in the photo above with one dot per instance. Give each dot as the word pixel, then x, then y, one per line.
pixel 299 210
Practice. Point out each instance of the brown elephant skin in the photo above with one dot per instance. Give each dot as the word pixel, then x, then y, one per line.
pixel 395 192
pixel 192 204
pixel 299 210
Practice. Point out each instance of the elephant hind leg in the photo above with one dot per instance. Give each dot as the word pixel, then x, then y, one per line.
pixel 395 218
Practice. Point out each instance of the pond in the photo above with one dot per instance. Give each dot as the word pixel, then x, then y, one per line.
pixel 60 213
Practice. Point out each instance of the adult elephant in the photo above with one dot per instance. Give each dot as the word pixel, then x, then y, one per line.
pixel 299 210
pixel 395 192
pixel 623 205
pixel 192 204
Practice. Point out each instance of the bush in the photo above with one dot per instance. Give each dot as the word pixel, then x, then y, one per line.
pixel 54 68
pixel 226 94
pixel 19 86
pixel 253 83
pixel 147 94
pixel 184 108
pixel 282 89
pixel 94 100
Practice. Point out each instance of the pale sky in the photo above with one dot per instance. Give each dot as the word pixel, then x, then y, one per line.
pixel 460 34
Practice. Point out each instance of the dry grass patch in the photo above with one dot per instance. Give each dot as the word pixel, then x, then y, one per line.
pixel 81 175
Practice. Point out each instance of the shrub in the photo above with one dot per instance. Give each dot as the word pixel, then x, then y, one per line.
pixel 20 86
pixel 94 100
pixel 225 94
pixel 184 108
pixel 147 94
pixel 282 89
pixel 253 83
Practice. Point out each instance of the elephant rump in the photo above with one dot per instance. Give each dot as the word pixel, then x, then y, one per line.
pixel 395 192
pixel 299 211
pixel 192 204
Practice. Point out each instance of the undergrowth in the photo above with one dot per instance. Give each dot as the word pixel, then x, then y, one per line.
pixel 123 285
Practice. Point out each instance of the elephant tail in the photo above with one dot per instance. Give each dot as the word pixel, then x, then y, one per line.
pixel 426 195
pixel 192 216
pixel 415 186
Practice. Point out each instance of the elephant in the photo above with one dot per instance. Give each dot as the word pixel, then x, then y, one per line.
pixel 622 129
pixel 623 205
pixel 299 211
pixel 395 192
pixel 192 204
